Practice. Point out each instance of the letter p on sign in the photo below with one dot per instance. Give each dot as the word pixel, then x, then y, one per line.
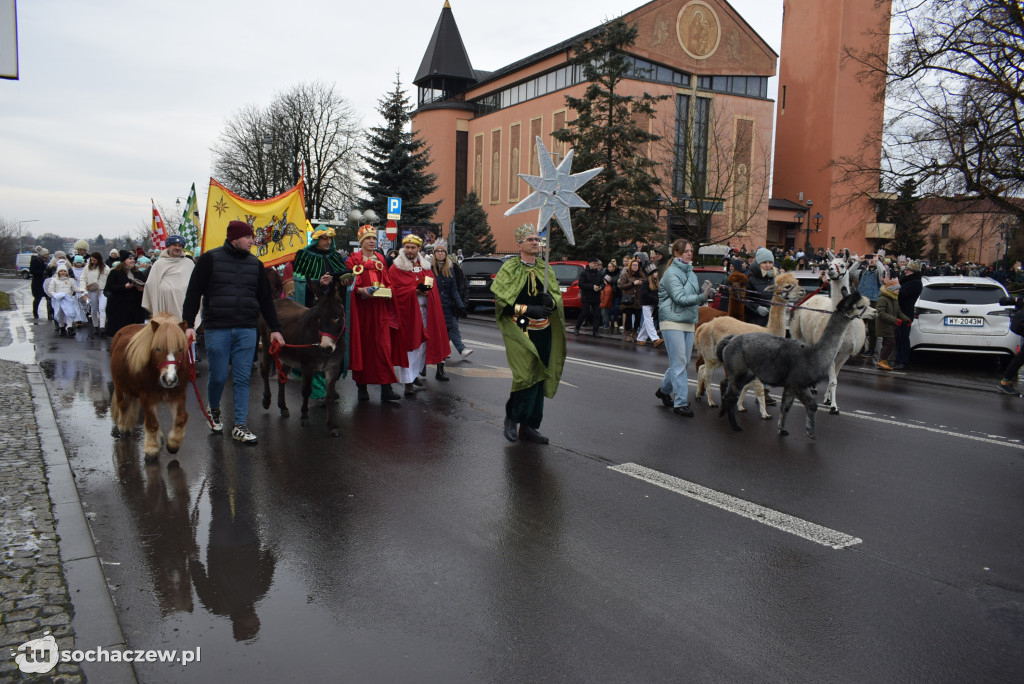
pixel 394 208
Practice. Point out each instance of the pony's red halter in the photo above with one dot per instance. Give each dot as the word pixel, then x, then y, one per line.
pixel 275 351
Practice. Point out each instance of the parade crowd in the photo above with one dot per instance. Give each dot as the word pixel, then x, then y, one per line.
pixel 403 308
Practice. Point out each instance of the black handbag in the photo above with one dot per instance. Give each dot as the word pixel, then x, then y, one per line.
pixel 627 300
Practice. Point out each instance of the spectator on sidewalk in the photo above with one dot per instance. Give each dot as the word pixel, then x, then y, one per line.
pixel 610 298
pixel 591 282
pixel 870 285
pixel 890 318
pixel 629 286
pixel 648 295
pixel 910 289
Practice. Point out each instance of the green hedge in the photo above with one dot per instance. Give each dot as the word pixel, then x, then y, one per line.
pixel 5 301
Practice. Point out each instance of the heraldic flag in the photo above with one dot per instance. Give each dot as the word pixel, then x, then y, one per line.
pixel 278 223
pixel 159 229
pixel 190 222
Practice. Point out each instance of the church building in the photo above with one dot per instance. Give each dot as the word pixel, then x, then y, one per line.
pixel 715 124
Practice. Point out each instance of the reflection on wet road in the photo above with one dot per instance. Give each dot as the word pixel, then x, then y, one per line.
pixel 420 546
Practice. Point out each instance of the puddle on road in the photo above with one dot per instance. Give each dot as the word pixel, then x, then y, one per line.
pixel 21 349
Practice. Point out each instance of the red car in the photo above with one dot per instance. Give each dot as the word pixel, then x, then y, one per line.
pixel 568 275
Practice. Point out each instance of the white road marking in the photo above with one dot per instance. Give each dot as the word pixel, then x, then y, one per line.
pixel 1013 444
pixel 916 425
pixel 780 521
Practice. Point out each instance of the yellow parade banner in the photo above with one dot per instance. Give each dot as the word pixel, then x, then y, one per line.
pixel 279 223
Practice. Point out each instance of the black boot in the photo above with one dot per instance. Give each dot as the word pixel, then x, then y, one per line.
pixel 531 435
pixel 388 394
pixel 440 374
pixel 511 430
pixel 363 394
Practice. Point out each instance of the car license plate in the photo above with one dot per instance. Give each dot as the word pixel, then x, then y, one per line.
pixel 968 321
pixel 478 283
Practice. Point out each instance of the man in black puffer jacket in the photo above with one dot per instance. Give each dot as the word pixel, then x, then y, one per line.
pixel 910 289
pixel 591 282
pixel 234 290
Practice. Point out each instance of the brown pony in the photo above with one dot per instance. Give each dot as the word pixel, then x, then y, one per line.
pixel 318 334
pixel 150 366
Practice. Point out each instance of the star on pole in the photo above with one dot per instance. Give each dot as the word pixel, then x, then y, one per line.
pixel 554 191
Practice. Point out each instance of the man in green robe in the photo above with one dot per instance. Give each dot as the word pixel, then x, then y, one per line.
pixel 320 263
pixel 532 322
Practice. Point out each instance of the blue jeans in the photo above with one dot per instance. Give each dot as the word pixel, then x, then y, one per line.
pixel 679 345
pixel 234 346
pixel 454 334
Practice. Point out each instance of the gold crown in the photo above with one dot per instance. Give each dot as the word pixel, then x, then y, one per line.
pixel 413 239
pixel 366 231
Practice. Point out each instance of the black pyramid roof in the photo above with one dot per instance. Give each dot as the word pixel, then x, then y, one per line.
pixel 446 56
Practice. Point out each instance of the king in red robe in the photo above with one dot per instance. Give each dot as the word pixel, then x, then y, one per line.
pixel 372 322
pixel 421 335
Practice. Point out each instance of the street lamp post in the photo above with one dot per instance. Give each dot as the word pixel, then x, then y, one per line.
pixel 807 240
pixel 19 231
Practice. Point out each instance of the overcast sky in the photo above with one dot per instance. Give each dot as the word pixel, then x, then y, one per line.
pixel 121 100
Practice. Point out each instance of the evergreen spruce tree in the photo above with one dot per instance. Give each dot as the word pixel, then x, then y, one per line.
pixel 910 226
pixel 622 198
pixel 472 232
pixel 396 163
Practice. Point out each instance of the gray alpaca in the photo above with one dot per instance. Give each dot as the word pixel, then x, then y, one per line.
pixel 797 366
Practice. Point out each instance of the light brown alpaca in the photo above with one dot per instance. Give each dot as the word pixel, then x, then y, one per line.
pixel 786 289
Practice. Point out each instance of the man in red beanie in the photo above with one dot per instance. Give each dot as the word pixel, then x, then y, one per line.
pixel 234 289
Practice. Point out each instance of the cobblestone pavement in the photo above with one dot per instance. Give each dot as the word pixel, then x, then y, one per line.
pixel 34 595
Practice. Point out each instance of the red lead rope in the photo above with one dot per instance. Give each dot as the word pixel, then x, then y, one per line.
pixel 275 351
pixel 192 379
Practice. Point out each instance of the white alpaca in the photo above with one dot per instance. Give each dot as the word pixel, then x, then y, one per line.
pixel 785 290
pixel 809 321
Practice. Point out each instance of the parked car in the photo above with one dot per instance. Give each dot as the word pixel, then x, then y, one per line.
pixel 568 275
pixel 717 276
pixel 21 264
pixel 479 272
pixel 810 280
pixel 962 314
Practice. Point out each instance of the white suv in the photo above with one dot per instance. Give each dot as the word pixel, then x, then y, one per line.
pixel 963 314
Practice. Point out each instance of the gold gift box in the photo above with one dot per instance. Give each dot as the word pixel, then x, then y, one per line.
pixel 384 292
pixel 428 281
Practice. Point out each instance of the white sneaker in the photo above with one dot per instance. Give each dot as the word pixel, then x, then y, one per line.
pixel 465 352
pixel 218 426
pixel 242 434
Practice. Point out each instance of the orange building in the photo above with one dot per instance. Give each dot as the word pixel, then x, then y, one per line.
pixel 986 231
pixel 826 112
pixel 711 64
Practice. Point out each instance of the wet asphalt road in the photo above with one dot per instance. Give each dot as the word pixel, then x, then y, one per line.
pixel 420 546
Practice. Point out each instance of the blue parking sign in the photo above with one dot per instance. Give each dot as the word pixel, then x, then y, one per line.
pixel 394 205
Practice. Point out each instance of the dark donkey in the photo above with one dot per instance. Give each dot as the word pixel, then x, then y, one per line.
pixel 315 342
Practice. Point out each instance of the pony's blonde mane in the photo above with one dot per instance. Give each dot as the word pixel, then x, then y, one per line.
pixel 167 336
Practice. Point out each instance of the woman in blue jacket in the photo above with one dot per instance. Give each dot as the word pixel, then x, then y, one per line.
pixel 679 297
